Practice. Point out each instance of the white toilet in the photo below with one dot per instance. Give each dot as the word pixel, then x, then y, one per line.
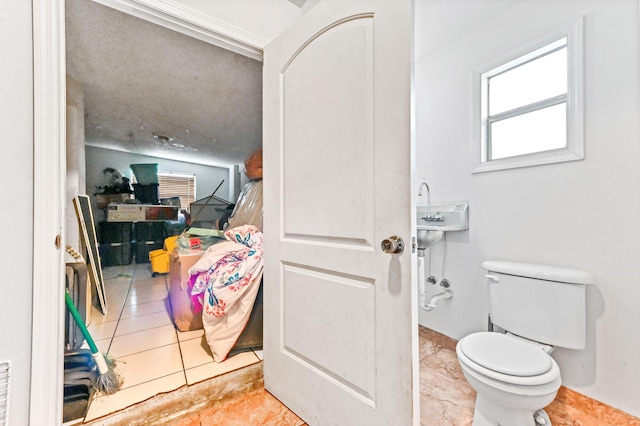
pixel 539 308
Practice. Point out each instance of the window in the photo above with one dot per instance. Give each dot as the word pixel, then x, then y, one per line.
pixel 178 185
pixel 530 104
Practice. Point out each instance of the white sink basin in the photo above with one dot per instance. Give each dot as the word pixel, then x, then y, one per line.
pixel 443 217
pixel 454 217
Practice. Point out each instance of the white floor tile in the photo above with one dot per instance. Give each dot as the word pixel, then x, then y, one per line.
pixel 113 313
pixel 142 341
pixel 144 309
pixel 144 322
pixel 118 273
pixel 116 298
pixel 147 294
pixel 105 330
pixel 195 352
pixel 103 405
pixel 213 369
pixel 102 344
pixel 259 354
pixel 144 282
pixel 188 335
pixel 149 365
pixel 151 355
pixel 143 271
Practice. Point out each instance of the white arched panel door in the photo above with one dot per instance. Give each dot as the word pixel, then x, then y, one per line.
pixel 340 328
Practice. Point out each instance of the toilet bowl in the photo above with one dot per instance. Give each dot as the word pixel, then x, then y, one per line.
pixel 513 374
pixel 514 379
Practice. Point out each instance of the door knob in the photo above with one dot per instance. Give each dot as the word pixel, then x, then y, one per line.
pixel 393 244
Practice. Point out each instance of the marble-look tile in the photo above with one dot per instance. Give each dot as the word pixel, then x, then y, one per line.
pixel 441 340
pixel 571 408
pixel 448 399
pixel 256 408
pixel 444 400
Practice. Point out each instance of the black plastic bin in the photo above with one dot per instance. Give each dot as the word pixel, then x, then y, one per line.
pixel 149 231
pixel 115 232
pixel 112 254
pixel 146 194
pixel 144 247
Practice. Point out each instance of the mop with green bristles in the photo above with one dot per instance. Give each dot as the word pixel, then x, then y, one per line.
pixel 109 381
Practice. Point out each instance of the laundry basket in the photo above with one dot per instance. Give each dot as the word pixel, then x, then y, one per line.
pixel 160 258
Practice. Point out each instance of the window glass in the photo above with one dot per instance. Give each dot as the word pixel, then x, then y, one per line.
pixel 541 130
pixel 539 79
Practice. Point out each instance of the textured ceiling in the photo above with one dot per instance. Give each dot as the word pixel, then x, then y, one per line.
pixel 141 79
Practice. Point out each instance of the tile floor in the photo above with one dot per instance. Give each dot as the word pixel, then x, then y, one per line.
pixel 154 358
pixel 446 399
pixel 152 355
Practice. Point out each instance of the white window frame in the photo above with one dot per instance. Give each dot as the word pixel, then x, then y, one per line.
pixel 574 149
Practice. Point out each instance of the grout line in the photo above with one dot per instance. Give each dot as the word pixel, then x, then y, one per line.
pixel 184 369
pixel 122 309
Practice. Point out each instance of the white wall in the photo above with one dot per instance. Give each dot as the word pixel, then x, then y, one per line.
pixel 581 214
pixel 75 150
pixel 207 177
pixel 16 122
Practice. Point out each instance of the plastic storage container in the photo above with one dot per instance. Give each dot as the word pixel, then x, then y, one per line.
pixel 145 173
pixel 146 193
pixel 160 258
pixel 113 254
pixel 149 231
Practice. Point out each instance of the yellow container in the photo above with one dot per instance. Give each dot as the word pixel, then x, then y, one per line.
pixel 160 258
pixel 170 243
pixel 159 262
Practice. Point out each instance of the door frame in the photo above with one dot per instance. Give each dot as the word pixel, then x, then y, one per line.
pixel 49 142
pixel 49 180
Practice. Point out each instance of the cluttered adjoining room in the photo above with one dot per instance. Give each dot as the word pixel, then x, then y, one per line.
pixel 167 296
pixel 163 213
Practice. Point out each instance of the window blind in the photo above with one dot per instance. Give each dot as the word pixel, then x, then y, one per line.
pixel 176 185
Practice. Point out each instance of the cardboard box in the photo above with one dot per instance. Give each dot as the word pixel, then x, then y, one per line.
pixel 183 316
pixel 103 200
pixel 140 213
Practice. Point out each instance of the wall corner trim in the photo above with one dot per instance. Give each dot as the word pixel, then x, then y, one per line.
pixel 172 15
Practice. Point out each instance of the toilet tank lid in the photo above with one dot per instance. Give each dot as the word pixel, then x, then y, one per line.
pixel 541 272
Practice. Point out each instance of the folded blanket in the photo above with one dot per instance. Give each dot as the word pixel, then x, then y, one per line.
pixel 224 284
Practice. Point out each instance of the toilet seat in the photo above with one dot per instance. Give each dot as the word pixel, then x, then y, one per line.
pixel 505 355
pixel 506 359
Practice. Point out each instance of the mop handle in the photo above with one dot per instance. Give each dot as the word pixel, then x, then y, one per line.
pixel 80 322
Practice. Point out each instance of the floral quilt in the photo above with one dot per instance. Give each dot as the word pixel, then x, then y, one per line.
pixel 224 284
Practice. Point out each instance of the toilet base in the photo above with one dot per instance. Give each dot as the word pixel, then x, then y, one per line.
pixel 488 413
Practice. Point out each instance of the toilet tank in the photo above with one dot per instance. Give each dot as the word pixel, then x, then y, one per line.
pixel 542 303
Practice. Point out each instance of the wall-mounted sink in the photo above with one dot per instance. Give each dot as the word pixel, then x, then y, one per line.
pixel 431 225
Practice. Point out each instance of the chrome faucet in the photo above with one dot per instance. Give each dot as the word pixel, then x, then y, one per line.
pixel 429 217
